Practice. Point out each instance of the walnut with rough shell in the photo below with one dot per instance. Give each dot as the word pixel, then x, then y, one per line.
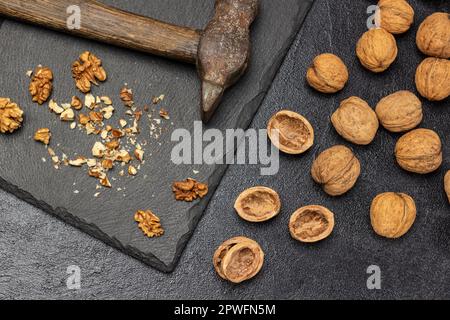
pixel 311 224
pixel 396 16
pixel 433 79
pixel 400 111
pixel 392 214
pixel 377 50
pixel 11 116
pixel 41 85
pixel 355 121
pixel 337 169
pixel 238 259
pixel 87 71
pixel 290 132
pixel 433 36
pixel 43 135
pixel 149 223
pixel 447 184
pixel 189 190
pixel 258 204
pixel 328 73
pixel 419 151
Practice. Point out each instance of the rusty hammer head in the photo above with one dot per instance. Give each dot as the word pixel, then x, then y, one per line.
pixel 224 50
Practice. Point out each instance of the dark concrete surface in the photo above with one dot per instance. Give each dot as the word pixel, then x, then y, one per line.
pixel 36 249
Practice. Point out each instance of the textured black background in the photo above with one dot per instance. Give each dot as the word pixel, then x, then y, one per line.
pixel 36 249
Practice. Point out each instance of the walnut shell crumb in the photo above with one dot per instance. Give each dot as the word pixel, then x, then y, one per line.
pixel 43 135
pixel 87 71
pixel 41 84
pixel 11 116
pixel 149 223
pixel 189 190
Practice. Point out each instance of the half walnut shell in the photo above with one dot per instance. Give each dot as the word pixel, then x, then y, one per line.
pixel 258 204
pixel 311 223
pixel 447 184
pixel 295 133
pixel 238 259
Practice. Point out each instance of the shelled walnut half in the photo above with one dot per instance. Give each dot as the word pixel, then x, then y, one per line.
pixel 189 190
pixel 238 259
pixel 11 116
pixel 311 223
pixel 41 85
pixel 258 204
pixel 43 135
pixel 149 223
pixel 87 71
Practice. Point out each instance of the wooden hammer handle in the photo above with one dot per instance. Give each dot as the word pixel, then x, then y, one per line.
pixel 110 25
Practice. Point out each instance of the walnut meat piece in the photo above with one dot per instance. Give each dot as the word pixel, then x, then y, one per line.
pixel 355 121
pixel 328 73
pixel 377 50
pixel 238 259
pixel 419 151
pixel 337 169
pixel 433 79
pixel 43 135
pixel 76 103
pixel 87 71
pixel 433 36
pixel 447 184
pixel 189 190
pixel 149 223
pixel 258 204
pixel 392 214
pixel 295 133
pixel 311 224
pixel 11 116
pixel 396 16
pixel 400 111
pixel 126 95
pixel 41 84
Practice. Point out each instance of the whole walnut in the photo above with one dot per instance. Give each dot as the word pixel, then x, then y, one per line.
pixel 433 79
pixel 11 116
pixel 447 184
pixel 328 73
pixel 433 36
pixel 396 16
pixel 419 151
pixel 377 50
pixel 355 121
pixel 392 214
pixel 337 169
pixel 400 111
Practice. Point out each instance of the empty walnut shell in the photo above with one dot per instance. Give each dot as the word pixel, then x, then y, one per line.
pixel 295 133
pixel 377 50
pixel 433 36
pixel 392 214
pixel 396 16
pixel 238 259
pixel 447 184
pixel 355 121
pixel 433 79
pixel 258 204
pixel 311 223
pixel 337 169
pixel 328 74
pixel 400 111
pixel 419 151
pixel 11 116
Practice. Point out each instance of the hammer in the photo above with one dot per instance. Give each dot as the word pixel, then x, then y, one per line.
pixel 221 51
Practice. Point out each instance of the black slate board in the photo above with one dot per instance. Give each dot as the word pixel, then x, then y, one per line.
pixel 110 216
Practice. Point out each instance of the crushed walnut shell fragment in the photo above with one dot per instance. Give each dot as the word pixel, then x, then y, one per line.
pixel 149 223
pixel 189 190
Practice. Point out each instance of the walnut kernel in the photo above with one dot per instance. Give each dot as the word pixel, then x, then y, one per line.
pixel 392 214
pixel 400 111
pixel 433 79
pixel 295 133
pixel 43 135
pixel 355 121
pixel 258 204
pixel 337 169
pixel 126 95
pixel 433 36
pixel 11 116
pixel 41 84
pixel 328 73
pixel 76 103
pixel 149 223
pixel 87 71
pixel 419 151
pixel 377 50
pixel 311 224
pixel 238 259
pixel 189 190
pixel 396 16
